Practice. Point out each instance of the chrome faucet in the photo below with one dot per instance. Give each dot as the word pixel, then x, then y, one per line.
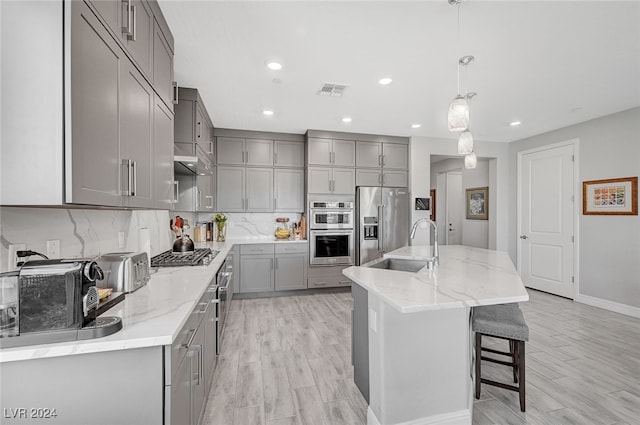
pixel 436 257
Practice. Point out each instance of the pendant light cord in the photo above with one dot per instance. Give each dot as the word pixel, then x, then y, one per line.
pixel 458 62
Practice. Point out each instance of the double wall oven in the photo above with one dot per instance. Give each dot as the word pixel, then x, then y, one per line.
pixel 330 233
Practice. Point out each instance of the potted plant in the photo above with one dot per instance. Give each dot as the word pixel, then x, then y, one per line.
pixel 221 225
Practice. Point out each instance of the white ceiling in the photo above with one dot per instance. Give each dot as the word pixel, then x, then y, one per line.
pixel 549 64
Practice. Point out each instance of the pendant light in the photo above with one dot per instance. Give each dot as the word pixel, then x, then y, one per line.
pixel 465 143
pixel 470 161
pixel 458 115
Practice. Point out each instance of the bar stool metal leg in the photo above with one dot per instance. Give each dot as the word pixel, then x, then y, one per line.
pixel 478 362
pixel 521 366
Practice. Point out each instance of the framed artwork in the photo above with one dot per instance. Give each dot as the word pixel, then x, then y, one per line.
pixel 432 217
pixel 610 196
pixel 478 203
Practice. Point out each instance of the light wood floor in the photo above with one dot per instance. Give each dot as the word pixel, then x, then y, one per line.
pixel 287 361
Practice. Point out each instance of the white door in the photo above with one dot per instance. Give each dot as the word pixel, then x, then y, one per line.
pixel 545 225
pixel 454 208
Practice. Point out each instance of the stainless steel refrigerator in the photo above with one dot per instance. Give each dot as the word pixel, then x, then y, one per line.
pixel 382 221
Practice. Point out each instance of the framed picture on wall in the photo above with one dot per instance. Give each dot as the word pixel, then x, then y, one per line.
pixel 610 196
pixel 433 205
pixel 478 203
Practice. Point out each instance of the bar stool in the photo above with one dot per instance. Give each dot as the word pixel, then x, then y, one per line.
pixel 504 321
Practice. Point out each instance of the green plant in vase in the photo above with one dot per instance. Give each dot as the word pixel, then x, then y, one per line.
pixel 221 225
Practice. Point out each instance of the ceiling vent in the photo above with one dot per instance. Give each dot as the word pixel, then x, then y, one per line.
pixel 330 89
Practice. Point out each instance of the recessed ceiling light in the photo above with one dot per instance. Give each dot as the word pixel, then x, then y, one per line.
pixel 189 165
pixel 267 112
pixel 346 119
pixel 515 123
pixel 415 126
pixel 273 65
pixel 202 174
pixel 385 81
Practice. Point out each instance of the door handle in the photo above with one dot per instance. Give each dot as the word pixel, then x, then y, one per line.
pixel 175 93
pixel 176 184
pixel 133 36
pixel 524 237
pixel 134 173
pixel 199 129
pixel 211 148
pixel 127 30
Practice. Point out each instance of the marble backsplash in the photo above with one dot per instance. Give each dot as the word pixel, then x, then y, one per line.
pixel 87 233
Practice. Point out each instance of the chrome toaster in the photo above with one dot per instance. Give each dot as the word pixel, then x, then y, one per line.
pixel 124 271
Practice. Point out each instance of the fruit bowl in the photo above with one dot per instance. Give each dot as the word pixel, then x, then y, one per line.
pixel 282 233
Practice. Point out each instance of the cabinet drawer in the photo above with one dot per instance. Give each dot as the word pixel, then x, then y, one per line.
pixel 327 282
pixel 178 350
pixel 291 247
pixel 259 248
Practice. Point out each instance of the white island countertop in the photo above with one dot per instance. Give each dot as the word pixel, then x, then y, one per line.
pixel 151 316
pixel 466 276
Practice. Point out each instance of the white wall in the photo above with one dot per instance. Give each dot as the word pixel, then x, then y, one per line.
pixel 474 232
pixel 609 246
pixel 420 183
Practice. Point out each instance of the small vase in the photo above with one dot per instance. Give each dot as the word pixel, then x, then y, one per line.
pixel 221 232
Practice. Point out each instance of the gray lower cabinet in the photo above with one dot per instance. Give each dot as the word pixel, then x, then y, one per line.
pixel 257 273
pixel 326 277
pixel 288 188
pixel 360 339
pixel 292 262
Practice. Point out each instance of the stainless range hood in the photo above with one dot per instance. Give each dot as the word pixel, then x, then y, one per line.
pixel 189 158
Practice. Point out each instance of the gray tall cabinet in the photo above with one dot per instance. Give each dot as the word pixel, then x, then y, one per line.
pixel 104 133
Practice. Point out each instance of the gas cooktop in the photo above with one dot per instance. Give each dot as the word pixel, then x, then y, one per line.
pixel 199 257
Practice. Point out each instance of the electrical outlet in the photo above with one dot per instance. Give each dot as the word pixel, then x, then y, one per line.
pixel 13 258
pixel 53 248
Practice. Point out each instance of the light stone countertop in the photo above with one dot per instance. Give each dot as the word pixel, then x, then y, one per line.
pixel 466 277
pixel 151 316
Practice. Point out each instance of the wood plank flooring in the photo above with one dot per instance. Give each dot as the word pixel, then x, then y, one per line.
pixel 287 361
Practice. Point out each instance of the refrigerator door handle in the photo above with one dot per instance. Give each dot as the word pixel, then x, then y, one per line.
pixel 380 228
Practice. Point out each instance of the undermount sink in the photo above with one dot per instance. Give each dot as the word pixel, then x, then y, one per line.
pixel 398 264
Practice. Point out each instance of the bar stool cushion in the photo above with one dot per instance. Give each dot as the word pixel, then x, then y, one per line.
pixel 501 320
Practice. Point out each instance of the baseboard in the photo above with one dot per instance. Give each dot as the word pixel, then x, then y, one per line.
pixel 609 305
pixel 462 417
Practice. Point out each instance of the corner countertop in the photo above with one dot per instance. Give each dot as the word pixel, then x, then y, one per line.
pixel 466 277
pixel 151 316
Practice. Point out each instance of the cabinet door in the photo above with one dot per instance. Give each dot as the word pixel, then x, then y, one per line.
pixel 96 61
pixel 291 272
pixel 288 190
pixel 180 401
pixel 368 177
pixel 259 152
pixel 257 273
pixel 344 181
pixel 204 202
pixel 259 189
pixel 136 137
pixel 395 156
pixel 320 152
pixel 163 192
pixel 109 11
pixel 230 189
pixel 202 131
pixel 210 335
pixel 288 154
pixel 320 180
pixel 230 151
pixel 185 131
pixel 196 355
pixel 344 153
pixel 139 40
pixel 395 178
pixel 162 66
pixel 368 154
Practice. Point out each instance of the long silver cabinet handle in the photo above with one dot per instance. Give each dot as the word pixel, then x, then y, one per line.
pixel 127 30
pixel 176 184
pixel 134 174
pixel 135 25
pixel 275 158
pixel 175 93
pixel 380 160
pixel 188 344
pixel 211 148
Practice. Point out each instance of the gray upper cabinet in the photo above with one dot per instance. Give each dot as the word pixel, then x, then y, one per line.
pixel 205 193
pixel 368 154
pixel 379 177
pixel 230 194
pixel 192 121
pixel 163 66
pixel 336 152
pixel 137 33
pixel 110 11
pixel 136 137
pixel 288 190
pixel 240 151
pixel 163 180
pixel 288 154
pixel 331 180
pixel 395 178
pixel 382 155
pixel 368 177
pixel 195 193
pixel 259 189
pixel 96 62
pixel 395 156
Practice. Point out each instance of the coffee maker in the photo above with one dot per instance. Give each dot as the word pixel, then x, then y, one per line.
pixel 57 301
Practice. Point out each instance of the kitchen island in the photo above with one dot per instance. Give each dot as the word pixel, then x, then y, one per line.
pixel 420 357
